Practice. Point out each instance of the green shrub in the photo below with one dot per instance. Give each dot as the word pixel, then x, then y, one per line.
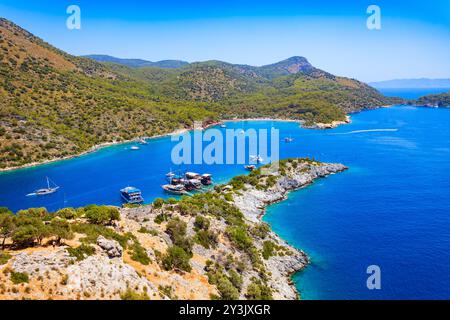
pixel 158 203
pixel 269 249
pixel 176 258
pixel 93 231
pixel 160 218
pixel 7 225
pixel 25 235
pixel 4 258
pixel 153 232
pixel 239 237
pixel 81 252
pixel 172 201
pixel 67 213
pixel 260 230
pixel 228 197
pixel 227 290
pixel 225 286
pixel 258 291
pixel 201 223
pixel 206 238
pixel 61 229
pixel 176 229
pixel 167 291
pixel 139 254
pixel 133 295
pixel 235 279
pixel 19 277
pixel 101 215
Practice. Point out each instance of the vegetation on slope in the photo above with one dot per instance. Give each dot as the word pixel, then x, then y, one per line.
pixel 55 105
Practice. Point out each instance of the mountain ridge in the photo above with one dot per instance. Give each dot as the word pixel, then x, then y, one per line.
pixel 291 65
pixel 417 83
pixel 137 63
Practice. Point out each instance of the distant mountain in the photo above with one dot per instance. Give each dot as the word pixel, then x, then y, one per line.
pixel 56 105
pixel 138 63
pixel 289 66
pixel 412 83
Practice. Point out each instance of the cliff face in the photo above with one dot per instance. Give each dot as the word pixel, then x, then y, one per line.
pixel 230 253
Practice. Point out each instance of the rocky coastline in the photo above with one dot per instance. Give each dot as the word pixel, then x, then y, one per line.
pixel 95 148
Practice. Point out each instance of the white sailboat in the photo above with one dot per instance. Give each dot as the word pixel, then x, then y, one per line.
pixel 45 191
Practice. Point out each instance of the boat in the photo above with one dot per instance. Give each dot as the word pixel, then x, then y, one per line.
pixel 134 148
pixel 192 175
pixel 188 186
pixel 195 183
pixel 223 126
pixel 143 141
pixel 178 189
pixel 45 191
pixel 176 180
pixel 132 195
pixel 250 167
pixel 170 174
pixel 288 139
pixel 257 159
pixel 206 179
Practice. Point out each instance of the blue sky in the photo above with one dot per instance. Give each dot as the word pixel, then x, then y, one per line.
pixel 414 40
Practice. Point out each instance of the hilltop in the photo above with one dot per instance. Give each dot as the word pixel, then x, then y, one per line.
pixel 57 105
pixel 137 63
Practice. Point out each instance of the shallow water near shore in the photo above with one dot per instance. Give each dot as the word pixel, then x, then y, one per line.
pixel 390 209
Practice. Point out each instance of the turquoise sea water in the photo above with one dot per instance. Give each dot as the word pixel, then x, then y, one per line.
pixel 390 209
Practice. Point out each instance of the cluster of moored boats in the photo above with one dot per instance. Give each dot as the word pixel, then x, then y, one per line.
pixel 180 184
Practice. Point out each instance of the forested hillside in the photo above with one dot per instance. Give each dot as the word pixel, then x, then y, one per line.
pixel 54 104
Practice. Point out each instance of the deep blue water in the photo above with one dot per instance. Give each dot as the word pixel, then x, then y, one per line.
pixel 390 209
pixel 411 93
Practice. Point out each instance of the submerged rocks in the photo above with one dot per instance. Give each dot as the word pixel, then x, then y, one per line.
pixel 112 248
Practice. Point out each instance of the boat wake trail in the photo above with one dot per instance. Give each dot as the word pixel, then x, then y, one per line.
pixel 366 131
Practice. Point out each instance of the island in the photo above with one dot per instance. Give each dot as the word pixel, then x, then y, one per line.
pixel 212 245
pixel 441 100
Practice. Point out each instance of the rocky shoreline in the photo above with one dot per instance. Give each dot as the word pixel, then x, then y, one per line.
pixel 100 146
pixel 253 204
